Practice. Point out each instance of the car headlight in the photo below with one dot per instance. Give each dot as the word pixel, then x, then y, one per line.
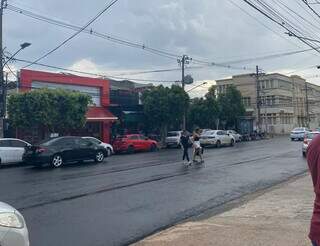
pixel 11 220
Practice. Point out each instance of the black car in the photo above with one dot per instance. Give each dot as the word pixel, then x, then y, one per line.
pixel 61 150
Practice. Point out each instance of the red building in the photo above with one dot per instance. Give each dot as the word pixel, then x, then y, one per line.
pixel 99 119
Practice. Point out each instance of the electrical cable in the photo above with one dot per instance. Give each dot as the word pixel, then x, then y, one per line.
pixel 75 34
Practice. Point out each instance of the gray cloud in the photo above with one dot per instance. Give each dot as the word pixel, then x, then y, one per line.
pixel 206 29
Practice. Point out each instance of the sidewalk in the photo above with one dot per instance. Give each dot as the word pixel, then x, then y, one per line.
pixel 279 217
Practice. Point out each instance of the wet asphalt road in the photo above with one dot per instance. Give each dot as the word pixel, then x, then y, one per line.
pixel 131 196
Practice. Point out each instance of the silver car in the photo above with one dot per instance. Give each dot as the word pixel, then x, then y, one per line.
pixel 236 135
pixel 216 138
pixel 173 139
pixel 308 138
pixel 13 229
pixel 298 133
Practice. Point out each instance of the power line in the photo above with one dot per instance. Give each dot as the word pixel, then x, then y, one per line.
pixel 93 74
pixel 280 22
pixel 115 39
pixel 267 27
pixel 108 37
pixel 75 34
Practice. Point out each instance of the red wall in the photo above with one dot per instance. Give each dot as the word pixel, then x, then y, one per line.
pixel 27 76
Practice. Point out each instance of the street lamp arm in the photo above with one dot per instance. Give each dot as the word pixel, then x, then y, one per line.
pixel 196 86
pixel 22 46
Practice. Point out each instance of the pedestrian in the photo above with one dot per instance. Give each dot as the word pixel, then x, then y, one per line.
pixel 313 157
pixel 197 150
pixel 184 141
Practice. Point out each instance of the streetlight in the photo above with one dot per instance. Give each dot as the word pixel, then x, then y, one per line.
pixel 22 46
pixel 3 88
pixel 204 83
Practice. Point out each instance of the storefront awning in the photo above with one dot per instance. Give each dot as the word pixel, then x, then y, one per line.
pixel 99 114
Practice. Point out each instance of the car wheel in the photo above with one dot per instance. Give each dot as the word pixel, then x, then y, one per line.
pixel 56 161
pixel 99 156
pixel 292 139
pixel 130 149
pixel 153 147
pixel 232 143
pixel 218 144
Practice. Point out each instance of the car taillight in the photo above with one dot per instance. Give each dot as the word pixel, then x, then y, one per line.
pixel 40 150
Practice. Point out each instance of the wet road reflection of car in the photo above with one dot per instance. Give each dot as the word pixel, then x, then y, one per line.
pixel 59 151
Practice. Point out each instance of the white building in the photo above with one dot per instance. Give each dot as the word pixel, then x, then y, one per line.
pixel 283 100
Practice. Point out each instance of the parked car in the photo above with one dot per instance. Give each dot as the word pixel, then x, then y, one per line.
pixel 216 138
pixel 107 146
pixel 13 229
pixel 205 130
pixel 61 150
pixel 298 133
pixel 237 136
pixel 308 138
pixel 134 142
pixel 173 139
pixel 12 150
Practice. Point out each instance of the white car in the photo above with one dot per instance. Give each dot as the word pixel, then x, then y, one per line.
pixel 298 133
pixel 308 138
pixel 216 138
pixel 107 146
pixel 12 150
pixel 13 229
pixel 237 136
pixel 173 139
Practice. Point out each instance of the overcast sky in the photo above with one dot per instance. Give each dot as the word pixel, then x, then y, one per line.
pixel 209 30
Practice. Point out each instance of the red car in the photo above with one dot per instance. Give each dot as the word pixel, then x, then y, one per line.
pixel 134 142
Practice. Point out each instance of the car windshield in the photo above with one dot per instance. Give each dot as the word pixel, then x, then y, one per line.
pixel 49 142
pixel 209 133
pixel 173 134
pixel 298 129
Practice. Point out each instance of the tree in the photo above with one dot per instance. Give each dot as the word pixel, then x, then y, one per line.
pixel 56 110
pixel 230 106
pixel 164 107
pixel 203 112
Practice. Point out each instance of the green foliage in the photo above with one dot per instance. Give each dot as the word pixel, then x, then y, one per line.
pixel 164 106
pixel 204 111
pixel 230 106
pixel 58 110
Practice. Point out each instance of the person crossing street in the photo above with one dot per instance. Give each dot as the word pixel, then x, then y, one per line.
pixel 184 141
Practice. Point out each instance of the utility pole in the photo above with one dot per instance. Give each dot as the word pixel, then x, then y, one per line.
pixel 183 61
pixel 2 113
pixel 258 99
pixel 307 105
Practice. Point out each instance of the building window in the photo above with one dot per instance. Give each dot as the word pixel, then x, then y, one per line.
pixel 271 83
pixel 246 101
pixel 93 92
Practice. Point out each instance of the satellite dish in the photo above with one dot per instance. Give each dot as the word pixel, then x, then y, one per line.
pixel 188 79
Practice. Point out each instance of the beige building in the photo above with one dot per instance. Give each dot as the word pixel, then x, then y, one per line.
pixel 282 99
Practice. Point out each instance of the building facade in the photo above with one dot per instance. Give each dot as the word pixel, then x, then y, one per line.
pixel 99 118
pixel 125 103
pixel 285 101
